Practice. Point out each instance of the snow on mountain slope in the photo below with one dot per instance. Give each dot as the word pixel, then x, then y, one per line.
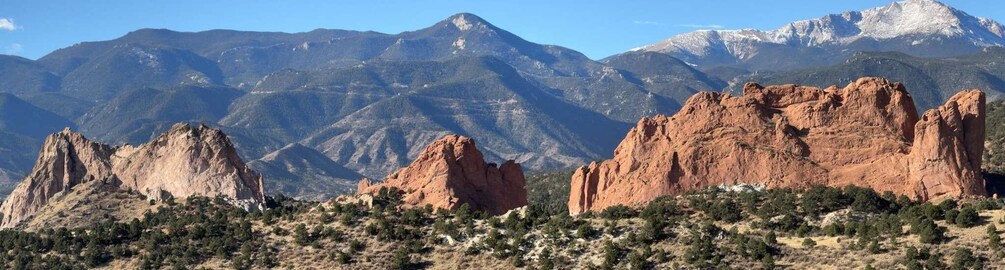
pixel 922 21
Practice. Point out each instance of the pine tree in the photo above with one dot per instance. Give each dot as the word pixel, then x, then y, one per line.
pixel 637 260
pixel 544 260
pixel 964 259
pixel 934 261
pixel 401 259
pixel 355 246
pixel 326 217
pixel 874 247
pixel 929 232
pixel 968 217
pixel 994 240
pixel 585 230
pixel 611 255
pixel 771 238
pixel 768 262
pixel 300 235
pixel 94 255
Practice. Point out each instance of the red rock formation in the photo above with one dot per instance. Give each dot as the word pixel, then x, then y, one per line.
pixel 867 134
pixel 451 172
pixel 183 162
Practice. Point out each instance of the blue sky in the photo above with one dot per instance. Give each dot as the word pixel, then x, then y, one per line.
pixel 33 28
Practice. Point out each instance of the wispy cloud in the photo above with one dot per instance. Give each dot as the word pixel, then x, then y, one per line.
pixel 702 26
pixel 13 49
pixel 8 24
pixel 647 23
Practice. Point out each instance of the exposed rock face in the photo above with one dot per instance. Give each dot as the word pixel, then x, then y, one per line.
pixel 188 161
pixel 867 134
pixel 451 172
pixel 185 161
pixel 66 160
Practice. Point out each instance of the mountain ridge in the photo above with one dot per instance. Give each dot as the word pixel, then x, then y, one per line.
pixel 918 27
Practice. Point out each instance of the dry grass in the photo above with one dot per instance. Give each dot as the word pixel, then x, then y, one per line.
pixel 90 203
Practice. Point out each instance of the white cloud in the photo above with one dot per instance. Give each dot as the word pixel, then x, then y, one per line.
pixel 8 24
pixel 13 49
pixel 647 23
pixel 703 26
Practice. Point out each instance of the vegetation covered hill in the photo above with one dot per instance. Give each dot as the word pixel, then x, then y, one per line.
pixel 994 147
pixel 848 228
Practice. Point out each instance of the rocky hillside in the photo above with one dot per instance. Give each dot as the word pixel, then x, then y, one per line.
pixel 452 172
pixel 183 162
pixel 866 134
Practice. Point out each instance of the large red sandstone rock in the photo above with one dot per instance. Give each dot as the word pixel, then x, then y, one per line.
pixel 867 134
pixel 185 161
pixel 451 172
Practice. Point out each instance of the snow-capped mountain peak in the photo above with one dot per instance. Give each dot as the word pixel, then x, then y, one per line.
pixel 918 21
pixel 911 17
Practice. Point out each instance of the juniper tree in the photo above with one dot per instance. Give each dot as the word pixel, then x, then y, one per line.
pixel 967 218
pixel 808 242
pixel 994 240
pixel 964 259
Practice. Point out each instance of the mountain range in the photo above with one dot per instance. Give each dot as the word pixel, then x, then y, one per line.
pixel 316 111
pixel 917 27
pixel 367 101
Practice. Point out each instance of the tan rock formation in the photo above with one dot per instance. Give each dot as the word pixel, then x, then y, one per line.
pixel 185 161
pixel 188 161
pixel 866 134
pixel 451 172
pixel 67 159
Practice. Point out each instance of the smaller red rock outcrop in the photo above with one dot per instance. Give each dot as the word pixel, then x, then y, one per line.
pixel 451 172
pixel 866 134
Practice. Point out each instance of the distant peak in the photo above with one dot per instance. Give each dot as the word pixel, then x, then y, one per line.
pixel 467 16
pixel 923 2
pixel 907 19
pixel 467 21
pixel 928 6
